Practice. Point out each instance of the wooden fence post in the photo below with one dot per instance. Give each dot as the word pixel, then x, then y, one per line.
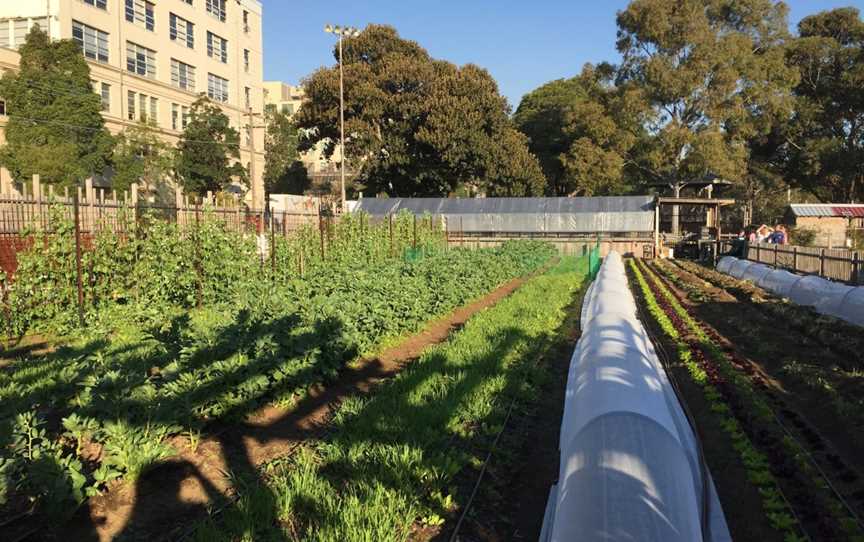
pixel 37 197
pixel 822 262
pixel 775 255
pixel 856 268
pixel 795 258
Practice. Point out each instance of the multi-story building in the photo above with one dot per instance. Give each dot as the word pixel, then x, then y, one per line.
pixel 150 59
pixel 287 99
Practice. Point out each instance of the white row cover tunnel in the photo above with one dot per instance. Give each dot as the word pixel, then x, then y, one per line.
pixel 824 296
pixel 630 465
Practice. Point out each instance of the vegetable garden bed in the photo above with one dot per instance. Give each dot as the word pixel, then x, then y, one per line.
pixel 399 464
pixel 151 374
pixel 774 444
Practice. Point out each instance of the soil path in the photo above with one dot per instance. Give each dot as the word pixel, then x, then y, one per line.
pixel 165 500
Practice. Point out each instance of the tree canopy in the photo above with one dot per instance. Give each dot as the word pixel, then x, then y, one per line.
pixel 55 126
pixel 582 130
pixel 416 126
pixel 208 150
pixel 141 156
pixel 713 74
pixel 283 171
pixel 823 147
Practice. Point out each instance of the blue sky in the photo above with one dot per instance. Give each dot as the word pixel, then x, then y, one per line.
pixel 523 44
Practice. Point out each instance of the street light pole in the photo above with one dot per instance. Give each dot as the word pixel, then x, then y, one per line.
pixel 342 124
pixel 342 32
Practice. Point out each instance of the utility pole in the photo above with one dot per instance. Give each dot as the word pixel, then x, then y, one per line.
pixel 342 32
pixel 252 151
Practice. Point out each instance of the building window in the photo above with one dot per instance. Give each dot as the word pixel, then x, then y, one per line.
pixel 270 108
pixel 217 88
pixel 247 94
pixel 20 27
pixel 217 47
pixel 288 109
pixel 246 60
pixel 216 8
pixel 154 110
pixel 182 30
pixel 140 60
pixel 93 42
pixel 247 132
pixel 105 95
pixel 140 12
pixel 245 21
pixel 3 107
pixel 182 75
pixel 101 4
pixel 142 107
pixel 130 105
pixel 4 34
pixel 179 117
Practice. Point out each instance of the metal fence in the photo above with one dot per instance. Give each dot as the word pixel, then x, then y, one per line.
pixel 835 264
pixel 91 210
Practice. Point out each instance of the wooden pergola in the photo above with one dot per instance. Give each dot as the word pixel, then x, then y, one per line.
pixel 713 206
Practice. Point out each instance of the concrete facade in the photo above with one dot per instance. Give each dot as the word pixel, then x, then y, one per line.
pixel 225 50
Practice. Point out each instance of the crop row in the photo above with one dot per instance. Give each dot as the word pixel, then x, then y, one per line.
pixel 830 375
pixel 841 337
pixel 104 405
pixel 402 461
pixel 743 398
pixel 163 265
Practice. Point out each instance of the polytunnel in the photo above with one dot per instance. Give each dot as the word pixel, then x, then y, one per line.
pixel 817 292
pixel 631 467
pixel 725 263
pixel 824 296
pixel 779 282
pixel 853 307
pixel 756 272
pixel 739 268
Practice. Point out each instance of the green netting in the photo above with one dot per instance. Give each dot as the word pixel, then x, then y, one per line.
pixel 588 263
pixel 594 261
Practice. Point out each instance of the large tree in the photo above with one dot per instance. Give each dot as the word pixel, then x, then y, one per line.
pixel 582 130
pixel 283 170
pixel 208 150
pixel 824 144
pixel 416 126
pixel 714 75
pixel 55 126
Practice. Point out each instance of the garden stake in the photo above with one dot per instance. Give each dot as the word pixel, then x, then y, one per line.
pixel 78 261
pixel 198 270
